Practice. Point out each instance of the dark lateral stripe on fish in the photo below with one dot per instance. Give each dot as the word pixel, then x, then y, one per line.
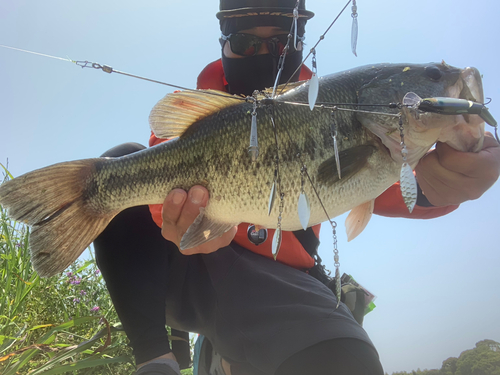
pixel 352 161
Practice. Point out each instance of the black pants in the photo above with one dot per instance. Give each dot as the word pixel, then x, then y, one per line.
pixel 132 256
pixel 333 357
pixel 228 296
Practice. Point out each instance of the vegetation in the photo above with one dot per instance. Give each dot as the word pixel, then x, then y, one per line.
pixel 65 324
pixel 484 359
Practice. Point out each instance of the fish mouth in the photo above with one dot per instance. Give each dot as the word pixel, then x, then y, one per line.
pixel 471 85
pixel 465 132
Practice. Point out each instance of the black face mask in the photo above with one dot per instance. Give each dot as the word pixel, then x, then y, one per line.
pixel 258 72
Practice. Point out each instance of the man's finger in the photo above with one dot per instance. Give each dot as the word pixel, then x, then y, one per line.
pixel 171 211
pixel 456 161
pixel 470 163
pixel 172 206
pixel 429 175
pixel 197 197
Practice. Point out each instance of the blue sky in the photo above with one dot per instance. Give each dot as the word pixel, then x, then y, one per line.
pixel 436 280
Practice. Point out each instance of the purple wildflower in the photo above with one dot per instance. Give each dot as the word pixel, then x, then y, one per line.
pixel 76 300
pixel 95 309
pixel 75 281
pixel 69 274
pixel 83 293
pixel 97 272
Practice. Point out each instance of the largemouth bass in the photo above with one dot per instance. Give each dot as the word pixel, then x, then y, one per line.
pixel 69 204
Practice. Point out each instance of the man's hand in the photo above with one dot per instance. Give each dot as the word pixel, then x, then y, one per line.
pixel 447 176
pixel 180 209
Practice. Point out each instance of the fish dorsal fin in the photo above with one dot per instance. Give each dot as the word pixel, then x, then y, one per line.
pixel 173 114
pixel 283 88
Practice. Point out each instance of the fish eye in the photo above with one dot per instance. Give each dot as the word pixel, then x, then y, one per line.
pixel 433 72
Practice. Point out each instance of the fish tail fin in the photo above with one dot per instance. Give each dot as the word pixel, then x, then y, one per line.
pixel 52 201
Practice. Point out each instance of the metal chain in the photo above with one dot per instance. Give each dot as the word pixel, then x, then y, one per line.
pixel 314 63
pixel 253 148
pixel 336 259
pixel 303 171
pixel 404 151
pixel 281 205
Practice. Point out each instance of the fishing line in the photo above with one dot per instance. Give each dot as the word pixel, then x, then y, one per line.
pixel 390 105
pixel 314 47
pixel 277 180
pixel 281 62
pixel 109 70
pixel 334 106
pixel 37 53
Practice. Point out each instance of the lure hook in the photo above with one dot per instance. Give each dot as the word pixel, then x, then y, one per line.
pixel 449 106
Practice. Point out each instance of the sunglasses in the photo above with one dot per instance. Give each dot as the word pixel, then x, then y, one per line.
pixel 249 45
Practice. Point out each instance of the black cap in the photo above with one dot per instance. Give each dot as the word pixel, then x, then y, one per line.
pixel 245 8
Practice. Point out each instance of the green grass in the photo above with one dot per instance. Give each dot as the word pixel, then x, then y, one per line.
pixel 64 324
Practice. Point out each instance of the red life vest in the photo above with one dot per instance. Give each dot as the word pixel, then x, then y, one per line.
pixel 390 203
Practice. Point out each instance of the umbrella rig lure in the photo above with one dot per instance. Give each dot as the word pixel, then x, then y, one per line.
pixel 408 183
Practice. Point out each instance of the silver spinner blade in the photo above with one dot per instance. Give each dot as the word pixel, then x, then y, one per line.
pixel 337 157
pixel 408 186
pixel 272 197
pixel 313 91
pixel 253 149
pixel 276 242
pixel 354 28
pixel 304 210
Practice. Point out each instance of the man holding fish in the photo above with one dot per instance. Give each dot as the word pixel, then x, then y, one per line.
pixel 262 316
pixel 274 344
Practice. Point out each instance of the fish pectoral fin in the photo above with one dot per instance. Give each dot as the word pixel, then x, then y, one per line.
pixel 203 230
pixel 176 112
pixel 352 160
pixel 358 219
